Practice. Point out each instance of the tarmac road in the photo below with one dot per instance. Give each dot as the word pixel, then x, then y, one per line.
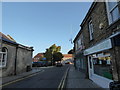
pixel 48 78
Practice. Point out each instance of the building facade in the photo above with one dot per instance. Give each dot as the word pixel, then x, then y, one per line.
pixel 14 58
pixel 79 59
pixel 67 58
pixel 101 37
pixel 38 57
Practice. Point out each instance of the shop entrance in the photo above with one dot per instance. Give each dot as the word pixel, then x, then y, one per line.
pixel 90 66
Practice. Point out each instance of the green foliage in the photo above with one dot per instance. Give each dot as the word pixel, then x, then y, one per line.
pixel 57 56
pixel 53 53
pixel 48 54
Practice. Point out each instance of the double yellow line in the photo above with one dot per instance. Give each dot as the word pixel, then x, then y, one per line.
pixel 63 80
pixel 19 79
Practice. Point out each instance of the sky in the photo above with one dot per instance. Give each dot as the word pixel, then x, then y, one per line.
pixel 42 24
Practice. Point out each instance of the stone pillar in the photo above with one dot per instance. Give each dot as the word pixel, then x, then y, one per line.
pixel 117 53
pixel 115 60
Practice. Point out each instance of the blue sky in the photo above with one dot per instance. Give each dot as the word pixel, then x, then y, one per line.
pixel 40 24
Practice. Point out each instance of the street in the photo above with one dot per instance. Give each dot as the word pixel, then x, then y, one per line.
pixel 50 77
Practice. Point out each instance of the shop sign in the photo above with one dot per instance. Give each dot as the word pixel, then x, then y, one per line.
pixel 105 45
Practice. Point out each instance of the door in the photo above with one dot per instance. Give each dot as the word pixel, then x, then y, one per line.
pixel 90 66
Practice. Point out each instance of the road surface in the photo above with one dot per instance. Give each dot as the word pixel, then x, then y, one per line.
pixel 50 77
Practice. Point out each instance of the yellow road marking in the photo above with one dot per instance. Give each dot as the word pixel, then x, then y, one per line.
pixel 62 82
pixel 19 79
pixel 64 79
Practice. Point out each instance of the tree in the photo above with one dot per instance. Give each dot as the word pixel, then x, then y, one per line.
pixel 57 56
pixel 48 55
pixel 53 53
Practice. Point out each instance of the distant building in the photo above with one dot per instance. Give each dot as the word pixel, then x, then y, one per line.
pixel 14 57
pixel 37 57
pixel 67 58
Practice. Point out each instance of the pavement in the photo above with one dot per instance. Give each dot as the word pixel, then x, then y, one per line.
pixel 16 77
pixel 77 79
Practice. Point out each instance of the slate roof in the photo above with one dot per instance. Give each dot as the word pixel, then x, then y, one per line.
pixel 6 38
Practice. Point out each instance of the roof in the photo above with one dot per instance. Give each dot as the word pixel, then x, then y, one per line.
pixel 77 36
pixel 38 55
pixel 7 38
pixel 67 55
pixel 89 12
pixel 84 20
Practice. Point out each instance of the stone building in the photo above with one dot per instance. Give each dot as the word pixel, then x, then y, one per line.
pixel 14 58
pixel 101 41
pixel 80 61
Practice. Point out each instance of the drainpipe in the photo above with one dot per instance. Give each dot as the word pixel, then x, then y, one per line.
pixel 15 60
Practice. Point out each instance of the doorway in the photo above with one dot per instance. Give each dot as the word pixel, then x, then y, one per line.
pixel 90 67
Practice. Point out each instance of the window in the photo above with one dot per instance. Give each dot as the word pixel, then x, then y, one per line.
pixel 113 11
pixel 79 42
pixel 90 25
pixel 102 65
pixel 3 57
pixel 75 45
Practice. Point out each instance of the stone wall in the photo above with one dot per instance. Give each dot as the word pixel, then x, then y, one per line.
pixel 98 16
pixel 24 59
pixel 9 69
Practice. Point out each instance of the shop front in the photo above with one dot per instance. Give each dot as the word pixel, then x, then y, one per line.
pixel 99 63
pixel 80 61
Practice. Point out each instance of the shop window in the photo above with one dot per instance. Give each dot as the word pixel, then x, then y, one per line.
pixel 3 57
pixel 112 11
pixel 102 66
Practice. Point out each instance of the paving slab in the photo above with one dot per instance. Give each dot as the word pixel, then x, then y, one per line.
pixel 76 79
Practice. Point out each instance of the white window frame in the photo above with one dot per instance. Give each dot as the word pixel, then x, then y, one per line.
pixel 79 42
pixel 76 45
pixel 91 31
pixel 109 11
pixel 1 59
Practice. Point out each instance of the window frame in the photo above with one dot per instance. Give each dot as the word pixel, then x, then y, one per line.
pixel 91 30
pixel 109 12
pixel 1 59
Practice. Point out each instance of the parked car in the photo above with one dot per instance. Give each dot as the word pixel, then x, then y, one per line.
pixel 67 63
pixel 59 64
pixel 38 64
